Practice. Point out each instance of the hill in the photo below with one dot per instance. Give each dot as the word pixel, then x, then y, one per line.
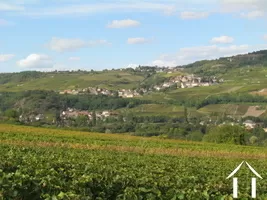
pixel 68 80
pixel 147 101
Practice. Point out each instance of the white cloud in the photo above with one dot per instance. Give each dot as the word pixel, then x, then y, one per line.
pixel 132 65
pixel 198 9
pixel 123 23
pixel 138 40
pixel 193 15
pixel 115 6
pixel 165 63
pixel 265 37
pixel 192 54
pixel 42 62
pixel 36 61
pixel 63 44
pixel 222 40
pixel 245 8
pixel 253 14
pixel 6 57
pixel 10 7
pixel 74 58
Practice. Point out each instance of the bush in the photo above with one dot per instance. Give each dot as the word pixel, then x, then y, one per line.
pixel 226 134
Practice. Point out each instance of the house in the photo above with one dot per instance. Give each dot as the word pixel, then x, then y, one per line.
pixel 194 84
pixel 106 113
pixel 166 84
pixel 205 84
pixel 249 124
pixel 128 95
pixel 183 85
pixel 184 79
pixel 157 88
pixel 39 117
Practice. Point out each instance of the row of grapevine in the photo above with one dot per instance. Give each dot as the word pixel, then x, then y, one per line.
pixel 61 171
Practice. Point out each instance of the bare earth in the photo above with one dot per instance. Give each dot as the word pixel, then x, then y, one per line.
pixel 252 111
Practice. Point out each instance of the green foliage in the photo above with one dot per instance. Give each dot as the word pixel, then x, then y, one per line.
pixel 40 163
pixel 226 134
pixel 20 77
pixel 253 140
pixel 63 80
pixel 195 136
pixel 43 101
pixel 152 81
pixel 11 113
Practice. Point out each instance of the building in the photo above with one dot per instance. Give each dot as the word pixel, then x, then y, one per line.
pixel 249 124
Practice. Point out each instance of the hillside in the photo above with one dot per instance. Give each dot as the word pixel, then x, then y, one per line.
pixel 149 101
pixel 68 80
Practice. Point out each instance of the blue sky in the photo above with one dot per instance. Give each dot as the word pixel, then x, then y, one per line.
pixel 104 34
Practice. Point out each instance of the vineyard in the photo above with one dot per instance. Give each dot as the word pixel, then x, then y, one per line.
pixel 39 163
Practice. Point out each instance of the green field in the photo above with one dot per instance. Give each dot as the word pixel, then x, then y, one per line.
pixel 39 163
pixel 160 109
pixel 235 110
pixel 228 109
pixel 61 81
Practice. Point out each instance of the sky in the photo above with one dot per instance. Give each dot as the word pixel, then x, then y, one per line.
pixel 49 35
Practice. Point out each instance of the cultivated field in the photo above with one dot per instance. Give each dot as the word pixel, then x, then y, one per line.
pixel 235 110
pixel 37 163
pixel 62 81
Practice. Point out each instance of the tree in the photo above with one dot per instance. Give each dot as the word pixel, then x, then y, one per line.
pixel 195 136
pixel 253 140
pixel 93 118
pixel 81 121
pixel 186 114
pixel 226 134
pixel 11 113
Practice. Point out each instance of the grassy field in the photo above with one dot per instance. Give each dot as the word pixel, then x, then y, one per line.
pixel 236 110
pixel 228 109
pixel 62 81
pixel 38 163
pixel 160 109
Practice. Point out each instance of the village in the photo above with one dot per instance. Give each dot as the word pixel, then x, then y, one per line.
pixel 124 93
pixel 69 113
pixel 183 81
pixel 188 81
pixel 74 113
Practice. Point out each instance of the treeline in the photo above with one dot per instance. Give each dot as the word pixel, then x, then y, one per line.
pixel 48 100
pixel 220 99
pixel 230 98
pixel 147 126
pixel 208 67
pixel 20 77
pixel 43 101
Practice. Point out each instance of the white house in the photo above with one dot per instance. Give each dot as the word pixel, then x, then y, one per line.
pixel 157 88
pixel 249 124
pixel 106 113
